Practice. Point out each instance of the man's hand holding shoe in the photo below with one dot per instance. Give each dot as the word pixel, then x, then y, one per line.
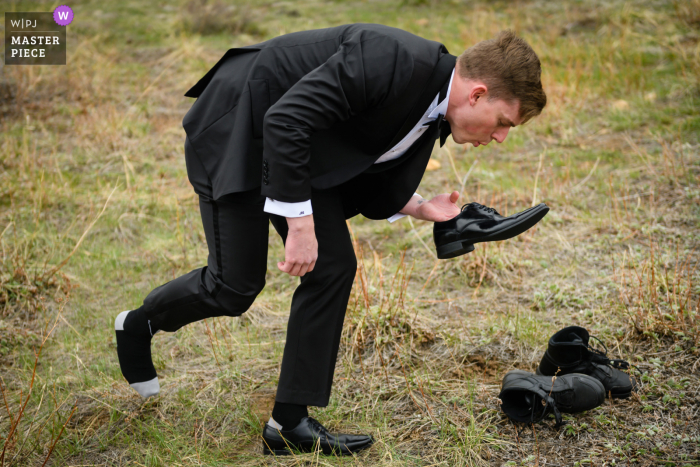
pixel 439 209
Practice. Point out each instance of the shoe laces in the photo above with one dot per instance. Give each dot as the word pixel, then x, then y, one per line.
pixel 547 401
pixel 481 206
pixel 321 429
pixel 601 357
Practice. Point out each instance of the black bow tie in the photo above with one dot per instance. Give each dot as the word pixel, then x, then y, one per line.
pixel 444 128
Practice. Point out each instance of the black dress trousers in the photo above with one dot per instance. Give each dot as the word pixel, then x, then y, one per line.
pixel 236 229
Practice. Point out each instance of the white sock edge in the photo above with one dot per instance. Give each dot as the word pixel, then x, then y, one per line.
pixel 147 389
pixel 119 322
pixel 274 424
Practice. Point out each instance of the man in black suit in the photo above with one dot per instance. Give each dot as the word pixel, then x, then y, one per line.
pixel 305 131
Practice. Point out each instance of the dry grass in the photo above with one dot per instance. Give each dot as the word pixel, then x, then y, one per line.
pixel 207 17
pixel 96 211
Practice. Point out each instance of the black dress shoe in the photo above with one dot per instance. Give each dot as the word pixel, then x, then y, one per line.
pixel 529 398
pixel 310 436
pixel 478 223
pixel 569 352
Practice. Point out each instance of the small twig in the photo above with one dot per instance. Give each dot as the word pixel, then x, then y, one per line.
pixel 425 399
pixel 20 413
pixel 4 396
pixel 211 342
pixel 517 438
pixel 554 378
pixel 59 436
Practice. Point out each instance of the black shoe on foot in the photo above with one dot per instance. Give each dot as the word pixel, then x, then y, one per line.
pixel 529 398
pixel 311 436
pixel 134 352
pixel 478 223
pixel 569 352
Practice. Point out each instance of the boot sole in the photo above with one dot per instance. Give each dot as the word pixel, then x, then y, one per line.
pixel 614 395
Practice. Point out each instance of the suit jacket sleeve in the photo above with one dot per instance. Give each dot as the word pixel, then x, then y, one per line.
pixel 368 70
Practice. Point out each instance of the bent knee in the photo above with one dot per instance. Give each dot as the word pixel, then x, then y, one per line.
pixel 235 302
pixel 238 295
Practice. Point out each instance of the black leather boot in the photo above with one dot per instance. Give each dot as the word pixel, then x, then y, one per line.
pixel 529 398
pixel 569 352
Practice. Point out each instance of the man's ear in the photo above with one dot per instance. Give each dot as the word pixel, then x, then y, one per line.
pixel 478 91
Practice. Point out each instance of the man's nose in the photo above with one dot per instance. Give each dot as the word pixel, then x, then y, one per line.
pixel 500 134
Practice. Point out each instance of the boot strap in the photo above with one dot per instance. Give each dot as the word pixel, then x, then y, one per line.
pixel 548 402
pixel 557 414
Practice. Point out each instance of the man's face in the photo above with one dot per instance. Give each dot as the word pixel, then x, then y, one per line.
pixel 475 119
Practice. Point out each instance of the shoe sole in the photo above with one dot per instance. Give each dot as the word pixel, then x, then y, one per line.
pixel 461 247
pixel 287 452
pixel 276 452
pixel 614 395
pixel 454 249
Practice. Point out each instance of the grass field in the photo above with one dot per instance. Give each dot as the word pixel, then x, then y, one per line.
pixel 96 211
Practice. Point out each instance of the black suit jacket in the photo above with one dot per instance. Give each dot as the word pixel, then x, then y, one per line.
pixel 315 109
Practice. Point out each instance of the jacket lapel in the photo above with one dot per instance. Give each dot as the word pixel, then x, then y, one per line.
pixel 442 124
pixel 437 83
pixel 437 128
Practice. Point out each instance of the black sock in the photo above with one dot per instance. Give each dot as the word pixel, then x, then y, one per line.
pixel 289 415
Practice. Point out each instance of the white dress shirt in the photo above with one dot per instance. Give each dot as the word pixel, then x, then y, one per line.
pixel 435 109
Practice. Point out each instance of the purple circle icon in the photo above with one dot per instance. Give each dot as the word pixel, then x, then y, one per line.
pixel 63 15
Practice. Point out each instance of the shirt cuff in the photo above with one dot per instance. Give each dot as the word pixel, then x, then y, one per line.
pixel 396 217
pixel 399 215
pixel 288 209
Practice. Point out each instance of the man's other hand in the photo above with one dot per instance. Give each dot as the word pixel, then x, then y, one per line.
pixel 301 247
